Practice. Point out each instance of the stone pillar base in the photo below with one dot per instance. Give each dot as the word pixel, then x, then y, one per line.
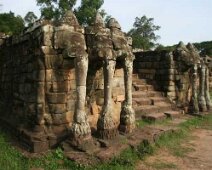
pixel 78 141
pixel 126 128
pixel 107 133
pixel 203 108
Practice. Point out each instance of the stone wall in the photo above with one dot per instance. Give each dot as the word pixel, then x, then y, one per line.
pixel 38 88
pixel 166 72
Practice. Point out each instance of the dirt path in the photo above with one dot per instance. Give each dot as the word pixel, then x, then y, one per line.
pixel 197 155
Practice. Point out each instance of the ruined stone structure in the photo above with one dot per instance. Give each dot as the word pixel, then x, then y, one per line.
pixel 109 45
pixel 62 82
pixel 179 74
pixel 50 93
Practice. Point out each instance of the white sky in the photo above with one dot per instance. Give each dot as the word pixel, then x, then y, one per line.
pixel 180 20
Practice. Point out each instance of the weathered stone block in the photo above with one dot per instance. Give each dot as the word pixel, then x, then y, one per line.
pixel 72 84
pixel 40 92
pixel 47 35
pixel 39 146
pixel 38 75
pixel 95 109
pixel 147 71
pixel 117 91
pixel 49 73
pixel 70 105
pixel 118 82
pixel 53 61
pixel 169 88
pixel 31 108
pixel 171 94
pixel 59 130
pixel 68 63
pixel 71 95
pixel 57 108
pixel 119 73
pixel 57 98
pixel 48 50
pixel 39 64
pixel 64 118
pixel 100 101
pixel 99 84
pixel 62 86
pixel 119 98
pixel 40 109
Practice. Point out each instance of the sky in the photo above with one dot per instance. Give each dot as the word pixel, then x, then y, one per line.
pixel 180 20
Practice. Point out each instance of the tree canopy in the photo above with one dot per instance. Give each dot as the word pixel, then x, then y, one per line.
pixel 29 18
pixel 11 24
pixel 205 47
pixel 55 8
pixel 87 11
pixel 143 33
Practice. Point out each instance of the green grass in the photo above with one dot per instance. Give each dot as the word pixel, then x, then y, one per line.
pixel 144 123
pixel 162 165
pixel 11 159
pixel 172 141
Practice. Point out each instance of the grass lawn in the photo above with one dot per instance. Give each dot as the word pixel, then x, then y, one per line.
pixel 11 159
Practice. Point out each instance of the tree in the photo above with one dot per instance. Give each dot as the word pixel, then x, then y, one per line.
pixel 30 18
pixel 143 33
pixel 205 47
pixel 54 9
pixel 160 47
pixel 11 24
pixel 87 11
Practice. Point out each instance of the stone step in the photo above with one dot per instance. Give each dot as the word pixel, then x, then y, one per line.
pixel 145 109
pixel 154 116
pixel 143 87
pixel 142 94
pixel 173 114
pixel 149 101
pixel 136 81
pixel 142 101
pixel 134 76
pixel 150 76
pixel 158 99
pixel 163 106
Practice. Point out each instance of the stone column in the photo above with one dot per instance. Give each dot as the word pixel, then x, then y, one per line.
pixel 80 129
pixel 207 90
pixel 202 102
pixel 194 97
pixel 106 127
pixel 127 117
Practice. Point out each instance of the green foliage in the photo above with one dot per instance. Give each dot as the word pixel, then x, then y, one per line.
pixel 144 123
pixel 87 11
pixel 144 149
pixel 29 18
pixel 160 47
pixel 205 47
pixel 163 165
pixel 11 24
pixel 143 33
pixel 54 9
pixel 105 16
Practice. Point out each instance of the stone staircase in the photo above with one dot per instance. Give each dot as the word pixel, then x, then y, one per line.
pixel 149 103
